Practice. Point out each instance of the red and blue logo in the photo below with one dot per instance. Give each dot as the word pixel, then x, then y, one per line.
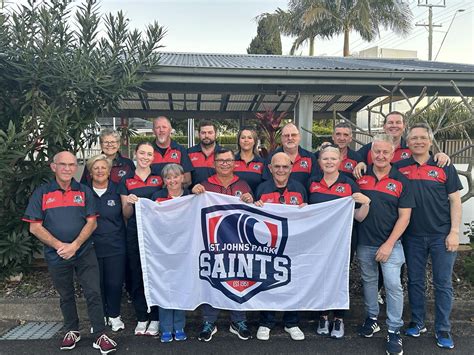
pixel 243 250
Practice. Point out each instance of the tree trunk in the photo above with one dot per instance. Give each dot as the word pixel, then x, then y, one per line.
pixel 346 43
pixel 311 46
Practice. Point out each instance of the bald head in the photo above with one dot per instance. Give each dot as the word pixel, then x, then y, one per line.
pixel 280 168
pixel 64 166
pixel 64 155
pixel 281 158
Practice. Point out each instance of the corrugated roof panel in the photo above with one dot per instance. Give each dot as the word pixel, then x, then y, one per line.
pixel 273 98
pixel 191 97
pixel 191 105
pixel 210 106
pixel 265 105
pixel 241 97
pixel 178 105
pixel 339 106
pixel 318 106
pixel 210 97
pixel 158 95
pixel 237 106
pixel 347 98
pixel 322 98
pixel 159 105
pixel 177 96
pixel 131 105
pixel 284 107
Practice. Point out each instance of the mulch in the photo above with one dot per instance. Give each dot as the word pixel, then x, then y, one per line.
pixel 37 284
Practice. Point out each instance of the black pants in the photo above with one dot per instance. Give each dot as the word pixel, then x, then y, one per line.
pixel 112 273
pixel 137 290
pixel 87 272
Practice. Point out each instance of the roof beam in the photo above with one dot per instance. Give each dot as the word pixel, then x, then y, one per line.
pixel 330 103
pixel 224 102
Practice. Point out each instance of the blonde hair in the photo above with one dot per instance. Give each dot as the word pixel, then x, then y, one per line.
pixel 100 157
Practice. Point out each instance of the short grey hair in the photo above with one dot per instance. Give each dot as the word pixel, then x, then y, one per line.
pixel 171 168
pixel 383 138
pixel 109 132
pixel 422 125
pixel 329 148
pixel 100 157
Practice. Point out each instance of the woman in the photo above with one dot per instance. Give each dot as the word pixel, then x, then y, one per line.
pixel 108 238
pixel 135 185
pixel 248 163
pixel 329 186
pixel 110 144
pixel 172 321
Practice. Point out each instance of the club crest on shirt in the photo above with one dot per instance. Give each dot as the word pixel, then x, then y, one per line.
pixel 256 167
pixel 349 166
pixel 433 173
pixel 238 193
pixel 340 189
pixel 405 155
pixel 391 186
pixel 111 203
pixel 304 164
pixel 121 173
pixel 154 181
pixel 174 155
pixel 78 199
pixel 293 200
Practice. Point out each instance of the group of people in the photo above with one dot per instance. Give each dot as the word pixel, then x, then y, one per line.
pixel 407 207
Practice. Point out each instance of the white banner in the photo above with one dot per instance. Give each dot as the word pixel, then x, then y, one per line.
pixel 213 249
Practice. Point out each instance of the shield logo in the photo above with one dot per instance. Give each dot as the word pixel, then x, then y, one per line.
pixel 174 155
pixel 243 251
pixel 405 155
pixel 391 186
pixel 78 199
pixel 340 189
pixel 111 203
pixel 433 173
pixel 121 173
pixel 304 164
pixel 349 166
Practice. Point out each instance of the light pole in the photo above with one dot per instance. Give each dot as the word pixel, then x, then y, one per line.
pixel 446 34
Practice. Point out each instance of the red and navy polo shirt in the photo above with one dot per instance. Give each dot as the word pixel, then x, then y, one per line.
pixel 304 166
pixel 294 193
pixel 431 187
pixel 319 191
pixel 133 184
pixel 387 195
pixel 175 153
pixel 120 167
pixel 203 165
pixel 163 195
pixel 62 213
pixel 251 172
pixel 401 152
pixel 348 162
pixel 237 187
pixel 109 236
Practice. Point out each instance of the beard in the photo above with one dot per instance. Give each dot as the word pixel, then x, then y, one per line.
pixel 207 142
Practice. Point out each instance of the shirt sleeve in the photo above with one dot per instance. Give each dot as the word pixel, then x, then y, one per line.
pixel 453 183
pixel 315 170
pixel 267 175
pixel 363 151
pixel 407 199
pixel 121 187
pixel 85 176
pixel 258 192
pixel 34 210
pixel 185 161
pixel 91 206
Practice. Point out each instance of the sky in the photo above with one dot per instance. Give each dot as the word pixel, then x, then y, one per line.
pixel 228 26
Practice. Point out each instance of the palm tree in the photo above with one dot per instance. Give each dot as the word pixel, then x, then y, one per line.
pixel 363 16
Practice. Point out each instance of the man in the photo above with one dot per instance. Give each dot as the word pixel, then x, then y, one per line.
pixel 304 164
pixel 280 189
pixel 202 154
pixel 62 215
pixel 224 182
pixel 167 150
pixel 393 126
pixel 379 233
pixel 433 231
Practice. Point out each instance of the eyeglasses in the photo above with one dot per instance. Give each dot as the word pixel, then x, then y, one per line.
pixel 110 143
pixel 282 200
pixel 281 167
pixel 290 135
pixel 224 161
pixel 64 165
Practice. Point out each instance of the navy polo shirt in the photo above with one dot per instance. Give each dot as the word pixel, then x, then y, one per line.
pixel 203 165
pixel 294 193
pixel 348 162
pixel 304 166
pixel 237 187
pixel 133 184
pixel 62 213
pixel 431 187
pixel 109 236
pixel 401 152
pixel 251 172
pixel 120 167
pixel 319 191
pixel 387 195
pixel 163 195
pixel 175 153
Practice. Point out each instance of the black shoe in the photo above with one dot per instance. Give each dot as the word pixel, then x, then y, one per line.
pixel 369 328
pixel 240 329
pixel 208 330
pixel 394 344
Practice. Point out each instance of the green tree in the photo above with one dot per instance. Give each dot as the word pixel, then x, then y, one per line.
pixel 58 73
pixel 268 40
pixel 365 17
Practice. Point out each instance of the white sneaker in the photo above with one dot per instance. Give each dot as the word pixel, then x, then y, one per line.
pixel 116 324
pixel 263 333
pixel 140 329
pixel 153 328
pixel 295 333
